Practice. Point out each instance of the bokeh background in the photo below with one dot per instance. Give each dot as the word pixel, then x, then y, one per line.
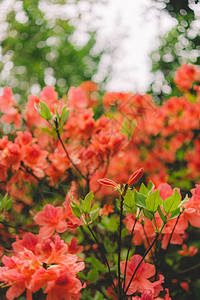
pixel 128 45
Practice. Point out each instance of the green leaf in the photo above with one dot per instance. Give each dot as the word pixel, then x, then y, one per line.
pixel 64 115
pixel 93 275
pixel 140 200
pixel 172 203
pixel 153 201
pixel 38 109
pixel 163 218
pixel 87 202
pixel 45 111
pixel 144 190
pixel 148 214
pixel 94 214
pixel 50 132
pixel 76 211
pixel 96 263
pixel 57 114
pixel 129 199
pixel 8 205
pixel 81 275
pixel 6 202
pixel 186 199
pixel 76 204
pixel 150 186
pixel 128 127
pixel 175 214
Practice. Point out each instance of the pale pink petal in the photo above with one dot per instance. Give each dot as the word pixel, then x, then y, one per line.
pixel 194 220
pixel 144 284
pixel 41 218
pixel 61 227
pixel 46 231
pixel 148 270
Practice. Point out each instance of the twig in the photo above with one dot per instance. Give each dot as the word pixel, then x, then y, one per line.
pixel 119 245
pixel 104 256
pixel 66 152
pixel 129 248
pixel 172 232
pixel 21 228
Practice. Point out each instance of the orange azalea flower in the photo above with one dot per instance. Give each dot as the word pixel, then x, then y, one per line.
pixel 52 219
pixel 140 281
pixel 106 210
pixel 191 251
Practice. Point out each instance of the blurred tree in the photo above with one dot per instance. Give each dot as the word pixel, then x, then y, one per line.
pixel 37 51
pixel 179 45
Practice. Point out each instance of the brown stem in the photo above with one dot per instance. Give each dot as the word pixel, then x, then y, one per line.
pixel 172 232
pixel 26 169
pixel 16 227
pixel 66 152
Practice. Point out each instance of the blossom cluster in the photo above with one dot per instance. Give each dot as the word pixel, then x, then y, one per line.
pixel 83 148
pixel 38 263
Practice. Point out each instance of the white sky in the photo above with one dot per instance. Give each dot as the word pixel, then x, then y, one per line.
pixel 133 25
pixel 138 23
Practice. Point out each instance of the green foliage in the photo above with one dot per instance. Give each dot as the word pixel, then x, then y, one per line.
pixel 140 200
pixel 179 45
pixel 41 52
pixel 171 203
pixel 6 203
pixel 153 201
pixel 44 111
pixel 129 201
pixel 84 209
pixel 86 205
pixel 128 127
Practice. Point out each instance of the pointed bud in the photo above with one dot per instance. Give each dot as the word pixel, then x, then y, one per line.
pixel 108 182
pixel 135 176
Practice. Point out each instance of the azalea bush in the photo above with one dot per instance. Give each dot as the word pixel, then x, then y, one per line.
pixel 98 196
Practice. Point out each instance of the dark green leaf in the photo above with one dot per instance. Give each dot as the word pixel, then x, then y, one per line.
pixel 93 275
pixel 175 214
pixel 163 218
pixel 148 214
pixel 96 263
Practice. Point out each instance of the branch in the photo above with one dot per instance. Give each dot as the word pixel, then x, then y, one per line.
pixel 129 248
pixel 66 152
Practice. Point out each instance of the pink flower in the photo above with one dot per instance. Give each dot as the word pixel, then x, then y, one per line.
pixel 52 219
pixel 140 281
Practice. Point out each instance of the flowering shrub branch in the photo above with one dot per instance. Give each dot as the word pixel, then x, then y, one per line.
pixel 54 160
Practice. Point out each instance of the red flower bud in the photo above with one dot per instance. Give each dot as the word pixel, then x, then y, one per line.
pixel 135 176
pixel 107 182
